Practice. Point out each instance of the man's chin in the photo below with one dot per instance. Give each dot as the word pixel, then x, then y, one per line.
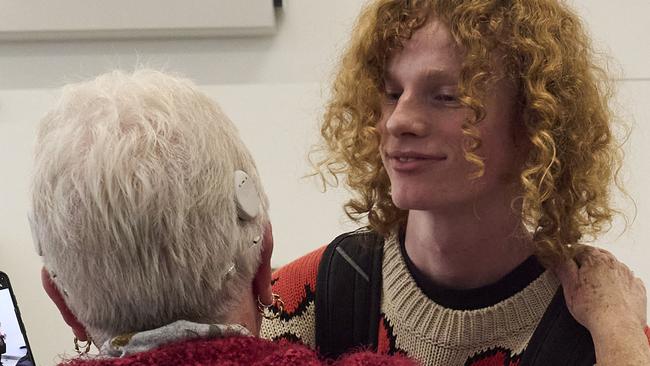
pixel 417 203
pixel 411 203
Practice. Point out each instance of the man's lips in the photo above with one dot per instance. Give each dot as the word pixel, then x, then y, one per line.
pixel 412 155
pixel 406 161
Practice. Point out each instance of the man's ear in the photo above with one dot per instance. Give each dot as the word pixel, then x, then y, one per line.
pixel 55 295
pixel 262 279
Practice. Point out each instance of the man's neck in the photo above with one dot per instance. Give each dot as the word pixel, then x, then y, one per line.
pixel 466 250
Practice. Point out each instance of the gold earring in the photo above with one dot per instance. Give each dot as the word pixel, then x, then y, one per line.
pixel 272 310
pixel 83 348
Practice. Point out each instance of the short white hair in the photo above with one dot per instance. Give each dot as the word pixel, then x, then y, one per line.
pixel 133 203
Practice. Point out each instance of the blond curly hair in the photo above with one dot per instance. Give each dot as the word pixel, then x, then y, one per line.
pixel 564 99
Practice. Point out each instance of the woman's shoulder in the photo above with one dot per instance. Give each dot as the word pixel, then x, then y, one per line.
pixel 230 350
pixel 238 351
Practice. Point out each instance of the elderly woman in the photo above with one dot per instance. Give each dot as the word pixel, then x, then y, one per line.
pixel 152 223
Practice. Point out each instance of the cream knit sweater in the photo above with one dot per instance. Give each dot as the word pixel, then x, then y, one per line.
pixel 414 324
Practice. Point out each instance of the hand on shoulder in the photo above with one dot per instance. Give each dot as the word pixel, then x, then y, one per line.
pixel 606 297
pixel 600 291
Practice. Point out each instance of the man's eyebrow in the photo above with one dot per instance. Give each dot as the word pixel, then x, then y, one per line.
pixel 440 75
pixel 429 75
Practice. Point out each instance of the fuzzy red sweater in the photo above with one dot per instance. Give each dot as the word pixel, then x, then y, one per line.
pixel 235 351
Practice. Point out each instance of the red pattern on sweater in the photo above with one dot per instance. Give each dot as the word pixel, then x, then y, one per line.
pixel 494 357
pixel 296 284
pixel 646 330
pixel 235 351
pixel 293 281
pixel 383 338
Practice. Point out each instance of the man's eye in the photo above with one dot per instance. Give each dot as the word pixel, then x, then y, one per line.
pixel 447 98
pixel 391 96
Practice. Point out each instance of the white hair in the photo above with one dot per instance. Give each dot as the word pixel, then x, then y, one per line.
pixel 133 203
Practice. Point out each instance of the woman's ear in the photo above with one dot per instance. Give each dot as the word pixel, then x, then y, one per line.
pixel 55 295
pixel 262 279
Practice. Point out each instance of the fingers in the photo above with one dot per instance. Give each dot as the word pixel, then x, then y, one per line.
pixel 641 284
pixel 592 256
pixel 609 259
pixel 567 273
pixel 598 263
pixel 597 286
pixel 644 298
pixel 587 255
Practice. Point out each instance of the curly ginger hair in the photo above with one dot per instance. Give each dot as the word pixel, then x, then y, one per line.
pixel 564 100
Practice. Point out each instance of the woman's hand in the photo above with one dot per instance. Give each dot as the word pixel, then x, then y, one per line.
pixel 601 291
pixel 605 297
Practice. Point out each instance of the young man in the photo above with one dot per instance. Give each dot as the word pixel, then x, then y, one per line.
pixel 477 138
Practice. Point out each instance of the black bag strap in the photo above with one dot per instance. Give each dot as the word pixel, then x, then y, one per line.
pixel 559 340
pixel 348 293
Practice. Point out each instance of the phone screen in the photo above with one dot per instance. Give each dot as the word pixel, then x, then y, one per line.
pixel 14 346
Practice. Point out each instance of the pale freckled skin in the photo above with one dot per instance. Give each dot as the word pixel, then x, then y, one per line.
pixel 464 233
pixel 461 232
pixel 425 75
pixel 604 295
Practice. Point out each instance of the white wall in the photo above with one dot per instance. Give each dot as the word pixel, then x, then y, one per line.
pixel 273 88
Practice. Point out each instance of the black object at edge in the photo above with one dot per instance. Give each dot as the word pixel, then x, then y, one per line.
pixel 347 309
pixel 5 283
pixel 559 340
pixel 277 3
pixel 347 305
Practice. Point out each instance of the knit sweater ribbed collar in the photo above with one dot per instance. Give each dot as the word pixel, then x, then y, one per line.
pixel 472 299
pixel 412 311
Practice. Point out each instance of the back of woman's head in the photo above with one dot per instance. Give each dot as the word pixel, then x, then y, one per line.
pixel 134 203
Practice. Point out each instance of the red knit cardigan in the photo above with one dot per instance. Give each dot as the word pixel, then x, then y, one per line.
pixel 235 351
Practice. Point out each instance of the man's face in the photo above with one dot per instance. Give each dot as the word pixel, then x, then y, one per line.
pixel 421 135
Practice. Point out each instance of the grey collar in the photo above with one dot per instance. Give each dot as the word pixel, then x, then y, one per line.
pixel 181 330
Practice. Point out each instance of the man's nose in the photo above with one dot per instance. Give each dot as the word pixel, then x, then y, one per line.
pixel 409 118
